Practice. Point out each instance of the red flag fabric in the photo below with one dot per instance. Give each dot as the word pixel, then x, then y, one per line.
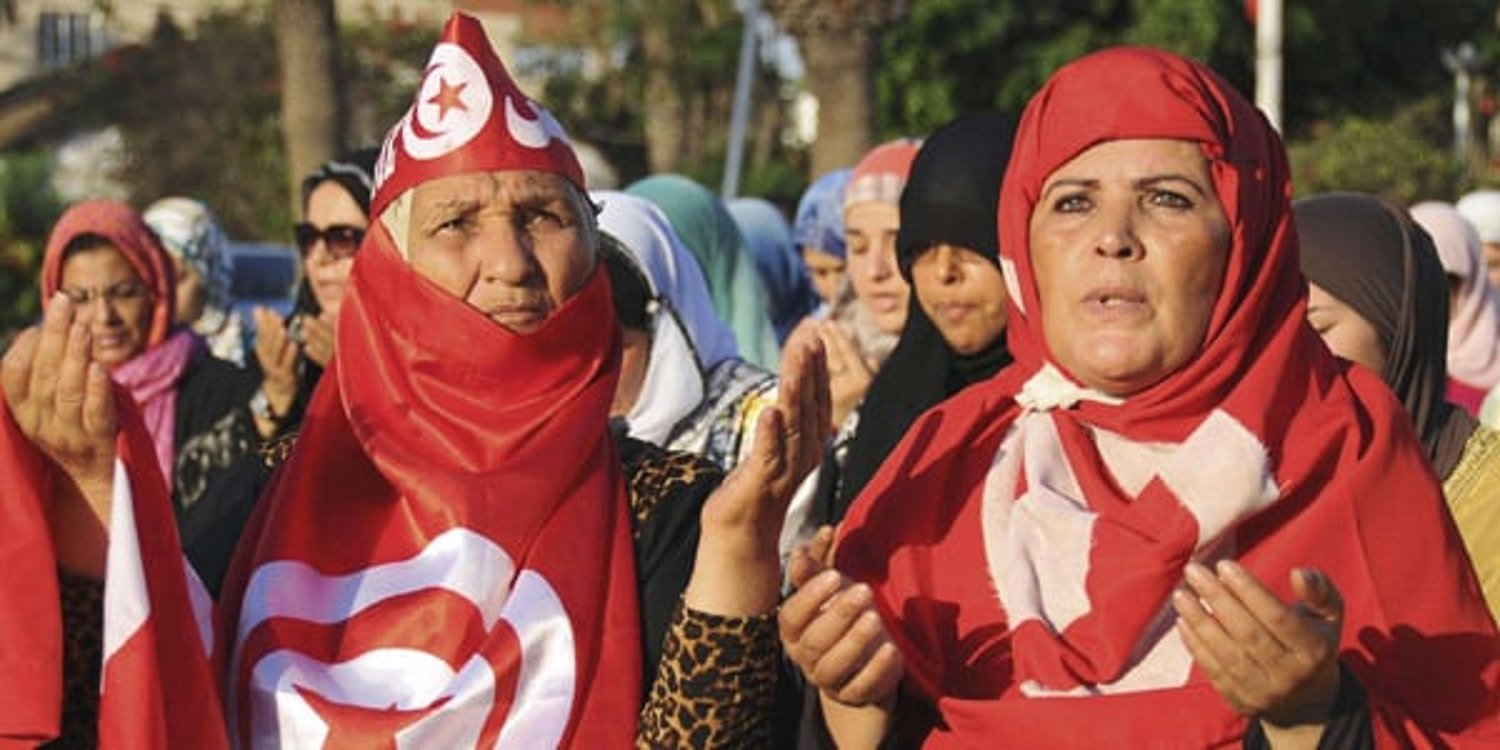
pixel 1024 539
pixel 157 688
pixel 445 559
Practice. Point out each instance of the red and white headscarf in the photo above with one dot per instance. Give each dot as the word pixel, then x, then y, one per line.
pixel 1025 537
pixel 445 560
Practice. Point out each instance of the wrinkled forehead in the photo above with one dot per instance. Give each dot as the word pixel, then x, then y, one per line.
pixel 506 186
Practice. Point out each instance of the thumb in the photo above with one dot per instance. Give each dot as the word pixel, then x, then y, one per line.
pixel 1317 594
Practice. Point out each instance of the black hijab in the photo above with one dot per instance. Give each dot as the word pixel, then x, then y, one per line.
pixel 950 197
pixel 352 171
pixel 1372 256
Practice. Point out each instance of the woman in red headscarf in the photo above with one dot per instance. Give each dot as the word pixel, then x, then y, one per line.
pixel 1177 520
pixel 86 663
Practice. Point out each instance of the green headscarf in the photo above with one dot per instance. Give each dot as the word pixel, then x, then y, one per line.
pixel 706 227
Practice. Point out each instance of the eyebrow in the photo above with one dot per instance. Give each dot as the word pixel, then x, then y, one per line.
pixel 1147 181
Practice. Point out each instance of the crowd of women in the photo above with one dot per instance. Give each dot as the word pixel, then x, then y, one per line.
pixel 1071 430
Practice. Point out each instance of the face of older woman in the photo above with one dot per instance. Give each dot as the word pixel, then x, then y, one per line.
pixel 112 301
pixel 870 229
pixel 963 294
pixel 514 245
pixel 1344 330
pixel 1129 245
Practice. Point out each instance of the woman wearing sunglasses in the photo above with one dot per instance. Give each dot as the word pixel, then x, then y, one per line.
pixel 293 353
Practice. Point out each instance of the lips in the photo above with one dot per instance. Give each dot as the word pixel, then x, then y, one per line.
pixel 1115 303
pixel 521 317
pixel 951 311
pixel 884 302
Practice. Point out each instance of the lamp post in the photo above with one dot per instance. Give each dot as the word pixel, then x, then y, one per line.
pixel 1462 61
pixel 734 155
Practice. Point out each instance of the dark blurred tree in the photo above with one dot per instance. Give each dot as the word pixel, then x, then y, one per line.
pixel 840 41
pixel 1402 157
pixel 311 98
pixel 27 210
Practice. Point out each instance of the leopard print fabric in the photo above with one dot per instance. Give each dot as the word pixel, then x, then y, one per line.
pixel 660 474
pixel 83 659
pixel 715 685
pixel 274 451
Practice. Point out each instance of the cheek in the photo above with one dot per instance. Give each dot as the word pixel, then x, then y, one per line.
pixel 445 268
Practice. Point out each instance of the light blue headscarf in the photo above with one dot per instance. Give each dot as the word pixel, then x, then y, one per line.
pixel 820 214
pixel 704 224
pixel 769 239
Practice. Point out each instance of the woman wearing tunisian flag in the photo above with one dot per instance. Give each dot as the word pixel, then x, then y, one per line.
pixel 1177 520
pixel 450 556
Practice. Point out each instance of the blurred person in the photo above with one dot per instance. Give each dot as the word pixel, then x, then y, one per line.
pixel 1474 305
pixel 954 334
pixel 456 509
pixel 205 273
pixel 1177 520
pixel 1482 209
pixel 705 226
pixel 293 353
pixel 1372 272
pixel 818 231
pixel 864 321
pixel 103 640
pixel 682 386
pixel 768 237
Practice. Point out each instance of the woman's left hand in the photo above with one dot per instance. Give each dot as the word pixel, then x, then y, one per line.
pixel 1271 661
pixel 738 567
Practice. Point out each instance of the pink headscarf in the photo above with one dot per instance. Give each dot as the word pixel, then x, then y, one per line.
pixel 1474 326
pixel 151 376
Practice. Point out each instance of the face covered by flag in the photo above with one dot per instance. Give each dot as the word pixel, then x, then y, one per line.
pixel 445 559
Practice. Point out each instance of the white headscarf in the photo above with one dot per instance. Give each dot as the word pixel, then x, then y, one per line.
pixel 1482 209
pixel 1474 325
pixel 688 339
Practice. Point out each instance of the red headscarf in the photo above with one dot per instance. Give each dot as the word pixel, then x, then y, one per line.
pixel 127 232
pixel 1085 508
pixel 446 556
pixel 152 376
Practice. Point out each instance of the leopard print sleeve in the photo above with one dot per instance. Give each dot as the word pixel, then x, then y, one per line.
pixel 715 683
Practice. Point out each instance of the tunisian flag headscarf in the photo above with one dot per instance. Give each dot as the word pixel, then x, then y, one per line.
pixel 445 559
pixel 1081 509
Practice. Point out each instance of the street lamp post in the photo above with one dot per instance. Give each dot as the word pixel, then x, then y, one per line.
pixel 1462 61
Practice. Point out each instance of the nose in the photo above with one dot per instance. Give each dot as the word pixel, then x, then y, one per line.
pixel 946 265
pixel 1116 238
pixel 883 265
pixel 506 256
pixel 99 308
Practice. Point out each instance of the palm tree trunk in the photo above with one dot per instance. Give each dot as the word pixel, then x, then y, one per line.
pixel 311 110
pixel 840 68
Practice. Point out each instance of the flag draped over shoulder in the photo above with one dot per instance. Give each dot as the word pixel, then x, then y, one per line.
pixel 445 560
pixel 157 688
pixel 1024 539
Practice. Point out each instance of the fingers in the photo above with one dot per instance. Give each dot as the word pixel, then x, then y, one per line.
pixel 820 547
pixel 801 567
pixel 71 374
pixel 99 418
pixel 1318 594
pixel 846 657
pixel 15 373
pixel 844 356
pixel 876 680
pixel 50 350
pixel 802 607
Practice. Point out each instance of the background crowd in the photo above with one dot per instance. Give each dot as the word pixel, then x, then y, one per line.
pixel 1029 429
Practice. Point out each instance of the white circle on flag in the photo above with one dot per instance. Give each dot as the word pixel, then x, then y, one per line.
pixel 452 106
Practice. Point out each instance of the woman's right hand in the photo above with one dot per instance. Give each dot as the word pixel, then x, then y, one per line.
pixel 63 400
pixel 277 354
pixel 849 374
pixel 833 633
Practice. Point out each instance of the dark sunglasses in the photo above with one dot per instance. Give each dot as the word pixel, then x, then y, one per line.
pixel 341 240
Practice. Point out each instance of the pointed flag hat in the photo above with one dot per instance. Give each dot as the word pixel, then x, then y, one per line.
pixel 469 116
